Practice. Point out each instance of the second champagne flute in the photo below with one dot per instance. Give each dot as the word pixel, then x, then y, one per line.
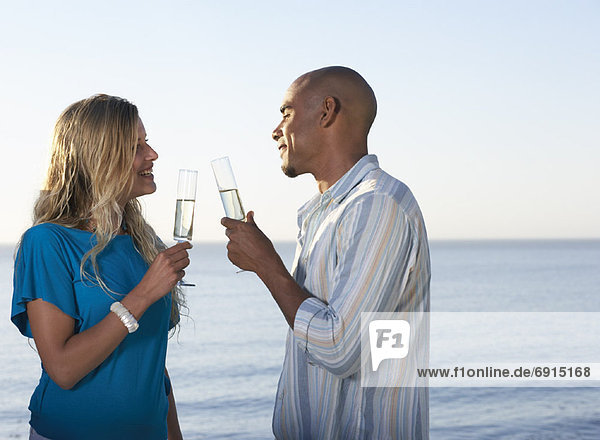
pixel 228 190
pixel 184 209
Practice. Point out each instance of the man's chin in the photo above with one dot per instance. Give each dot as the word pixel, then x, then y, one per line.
pixel 289 171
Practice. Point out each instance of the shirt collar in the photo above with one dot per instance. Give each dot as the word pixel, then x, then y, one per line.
pixel 340 189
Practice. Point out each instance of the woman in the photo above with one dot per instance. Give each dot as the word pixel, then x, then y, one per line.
pixel 95 287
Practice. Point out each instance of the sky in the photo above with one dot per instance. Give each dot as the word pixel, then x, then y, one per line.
pixel 488 110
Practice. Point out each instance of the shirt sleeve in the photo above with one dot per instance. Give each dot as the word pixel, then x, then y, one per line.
pixel 376 251
pixel 42 271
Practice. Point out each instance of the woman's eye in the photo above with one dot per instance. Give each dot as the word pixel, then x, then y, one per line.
pixel 138 146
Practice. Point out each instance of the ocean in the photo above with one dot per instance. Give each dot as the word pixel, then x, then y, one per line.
pixel 225 361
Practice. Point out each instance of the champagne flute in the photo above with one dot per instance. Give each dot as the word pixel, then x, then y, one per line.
pixel 228 190
pixel 184 209
pixel 230 197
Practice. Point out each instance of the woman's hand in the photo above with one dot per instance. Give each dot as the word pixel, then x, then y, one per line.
pixel 164 273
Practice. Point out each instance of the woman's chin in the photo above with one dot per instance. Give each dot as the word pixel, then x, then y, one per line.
pixel 143 192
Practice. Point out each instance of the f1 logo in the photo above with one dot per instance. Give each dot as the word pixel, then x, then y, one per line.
pixel 389 339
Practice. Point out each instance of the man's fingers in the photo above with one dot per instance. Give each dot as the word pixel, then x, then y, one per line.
pixel 229 222
pixel 250 218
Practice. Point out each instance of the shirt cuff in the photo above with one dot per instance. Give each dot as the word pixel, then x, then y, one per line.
pixel 304 315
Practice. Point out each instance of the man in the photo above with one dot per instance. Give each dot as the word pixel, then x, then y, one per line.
pixel 362 247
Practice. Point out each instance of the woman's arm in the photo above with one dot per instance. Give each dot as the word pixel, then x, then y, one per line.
pixel 173 429
pixel 68 357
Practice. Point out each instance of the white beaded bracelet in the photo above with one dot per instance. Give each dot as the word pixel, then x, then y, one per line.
pixel 125 316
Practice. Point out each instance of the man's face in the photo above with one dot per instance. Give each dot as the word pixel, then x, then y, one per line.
pixel 296 134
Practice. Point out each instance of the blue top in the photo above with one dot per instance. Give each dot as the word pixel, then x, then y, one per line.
pixel 124 397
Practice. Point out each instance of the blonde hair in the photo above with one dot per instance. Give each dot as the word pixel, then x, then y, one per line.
pixel 91 164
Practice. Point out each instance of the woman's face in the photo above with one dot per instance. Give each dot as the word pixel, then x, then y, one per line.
pixel 143 182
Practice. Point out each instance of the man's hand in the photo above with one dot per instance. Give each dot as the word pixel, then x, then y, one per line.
pixel 249 248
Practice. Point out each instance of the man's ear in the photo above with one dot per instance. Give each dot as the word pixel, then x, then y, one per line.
pixel 329 110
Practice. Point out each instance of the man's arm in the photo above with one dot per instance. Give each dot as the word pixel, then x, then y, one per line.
pixel 376 255
pixel 250 249
pixel 375 250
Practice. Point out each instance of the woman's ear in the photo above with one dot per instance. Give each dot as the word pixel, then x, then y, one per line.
pixel 329 110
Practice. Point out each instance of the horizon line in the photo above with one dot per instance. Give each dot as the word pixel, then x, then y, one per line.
pixel 431 240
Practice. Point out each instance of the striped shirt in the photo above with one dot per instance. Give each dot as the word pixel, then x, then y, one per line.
pixel 362 247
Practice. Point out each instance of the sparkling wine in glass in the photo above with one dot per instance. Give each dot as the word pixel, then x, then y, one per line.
pixel 232 204
pixel 228 190
pixel 184 209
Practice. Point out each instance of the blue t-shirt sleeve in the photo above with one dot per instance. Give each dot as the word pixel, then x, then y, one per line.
pixel 42 271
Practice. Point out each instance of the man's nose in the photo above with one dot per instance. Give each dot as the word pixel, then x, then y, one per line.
pixel 277 133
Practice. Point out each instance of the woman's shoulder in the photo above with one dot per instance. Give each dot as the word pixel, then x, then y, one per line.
pixel 51 230
pixel 52 235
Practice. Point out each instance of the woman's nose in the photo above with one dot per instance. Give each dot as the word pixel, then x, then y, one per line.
pixel 151 154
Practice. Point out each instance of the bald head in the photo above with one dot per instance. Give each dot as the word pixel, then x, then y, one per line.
pixel 326 117
pixel 355 100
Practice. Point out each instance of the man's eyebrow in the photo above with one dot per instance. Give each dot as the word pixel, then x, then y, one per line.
pixel 284 107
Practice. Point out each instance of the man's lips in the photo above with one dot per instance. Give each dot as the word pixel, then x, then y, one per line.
pixel 281 149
